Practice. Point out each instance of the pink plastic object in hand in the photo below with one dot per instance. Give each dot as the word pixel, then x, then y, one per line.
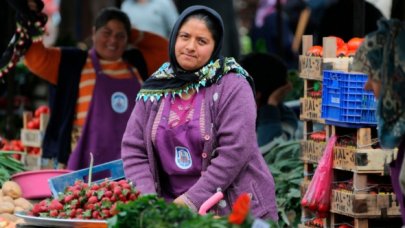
pixel 214 199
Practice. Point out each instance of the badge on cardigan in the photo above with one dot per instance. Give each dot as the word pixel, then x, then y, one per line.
pixel 183 157
pixel 119 102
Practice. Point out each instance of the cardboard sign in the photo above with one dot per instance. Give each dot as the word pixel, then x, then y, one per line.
pixel 312 151
pixel 363 160
pixel 310 67
pixel 32 137
pixel 311 109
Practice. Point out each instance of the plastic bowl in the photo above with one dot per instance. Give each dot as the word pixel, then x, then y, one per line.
pixel 34 184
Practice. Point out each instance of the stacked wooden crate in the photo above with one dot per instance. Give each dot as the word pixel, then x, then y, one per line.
pixel 32 140
pixel 362 195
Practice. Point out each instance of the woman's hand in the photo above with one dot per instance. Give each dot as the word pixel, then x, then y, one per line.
pixel 278 95
pixel 180 201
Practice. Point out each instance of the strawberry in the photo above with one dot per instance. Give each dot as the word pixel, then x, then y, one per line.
pixel 92 199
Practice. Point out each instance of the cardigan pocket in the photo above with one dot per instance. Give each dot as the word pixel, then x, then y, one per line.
pixel 256 198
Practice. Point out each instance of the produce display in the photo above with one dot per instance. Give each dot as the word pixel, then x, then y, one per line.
pixel 34 123
pixel 11 201
pixel 84 201
pixel 8 167
pixel 342 49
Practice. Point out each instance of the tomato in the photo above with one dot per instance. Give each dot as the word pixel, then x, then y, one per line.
pixel 17 156
pixel 31 125
pixel 342 51
pixel 315 51
pixel 354 43
pixel 35 121
pixel 41 109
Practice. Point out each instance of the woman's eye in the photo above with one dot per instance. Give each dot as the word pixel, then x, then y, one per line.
pixel 202 42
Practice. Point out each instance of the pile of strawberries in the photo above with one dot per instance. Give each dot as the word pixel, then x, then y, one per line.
pixel 83 201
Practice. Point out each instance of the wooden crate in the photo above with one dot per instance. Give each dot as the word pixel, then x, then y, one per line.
pixel 33 138
pixel 30 137
pixel 336 220
pixel 363 205
pixel 363 160
pixel 311 109
pixel 311 67
pixel 312 151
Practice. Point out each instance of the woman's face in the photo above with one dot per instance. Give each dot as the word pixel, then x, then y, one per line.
pixel 373 85
pixel 194 45
pixel 110 41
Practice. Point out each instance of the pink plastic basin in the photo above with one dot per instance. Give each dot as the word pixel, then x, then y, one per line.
pixel 34 184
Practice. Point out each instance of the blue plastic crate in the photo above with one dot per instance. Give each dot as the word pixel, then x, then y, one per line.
pixel 115 169
pixel 345 101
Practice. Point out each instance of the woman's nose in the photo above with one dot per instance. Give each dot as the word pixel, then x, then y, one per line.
pixel 190 46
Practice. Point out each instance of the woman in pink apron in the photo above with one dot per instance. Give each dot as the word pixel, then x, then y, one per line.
pixel 192 131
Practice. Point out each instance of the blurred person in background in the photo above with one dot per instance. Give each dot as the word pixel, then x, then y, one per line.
pixel 157 16
pixel 265 32
pixel 382 57
pixel 274 119
pixel 94 90
pixel 338 20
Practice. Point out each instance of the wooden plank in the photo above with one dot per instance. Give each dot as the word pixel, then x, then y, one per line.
pixel 310 67
pixel 329 47
pixel 341 63
pixel 363 160
pixel 363 205
pixel 32 162
pixel 364 138
pixel 361 223
pixel 307 42
pixel 311 109
pixel 43 121
pixel 27 116
pixel 312 151
pixel 360 183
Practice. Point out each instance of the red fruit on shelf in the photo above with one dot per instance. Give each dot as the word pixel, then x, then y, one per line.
pixel 354 43
pixel 342 51
pixel 315 51
pixel 41 109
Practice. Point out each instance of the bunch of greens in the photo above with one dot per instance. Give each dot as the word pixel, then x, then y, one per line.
pixel 153 212
pixel 284 162
pixel 8 166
